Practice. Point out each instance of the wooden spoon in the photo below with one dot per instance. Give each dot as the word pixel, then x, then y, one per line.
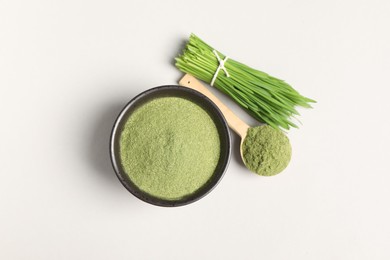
pixel 234 122
pixel 278 152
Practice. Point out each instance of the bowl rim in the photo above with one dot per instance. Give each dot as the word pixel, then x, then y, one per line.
pixel 132 188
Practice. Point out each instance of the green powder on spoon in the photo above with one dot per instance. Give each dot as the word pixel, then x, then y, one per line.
pixel 266 150
pixel 169 147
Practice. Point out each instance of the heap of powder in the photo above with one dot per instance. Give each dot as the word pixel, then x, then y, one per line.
pixel 169 147
pixel 266 150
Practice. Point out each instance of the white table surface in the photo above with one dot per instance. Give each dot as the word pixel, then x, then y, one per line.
pixel 68 67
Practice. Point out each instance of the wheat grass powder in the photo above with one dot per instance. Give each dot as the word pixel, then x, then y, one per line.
pixel 169 147
pixel 266 150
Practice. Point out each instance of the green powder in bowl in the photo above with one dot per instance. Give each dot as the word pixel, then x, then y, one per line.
pixel 170 146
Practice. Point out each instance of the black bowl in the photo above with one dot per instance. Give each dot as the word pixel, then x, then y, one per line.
pixel 171 91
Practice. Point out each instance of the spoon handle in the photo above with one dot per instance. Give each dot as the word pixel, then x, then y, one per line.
pixel 234 121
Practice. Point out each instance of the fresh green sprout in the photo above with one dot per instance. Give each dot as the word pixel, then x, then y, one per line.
pixel 266 98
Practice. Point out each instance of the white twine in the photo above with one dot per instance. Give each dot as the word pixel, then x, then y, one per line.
pixel 220 67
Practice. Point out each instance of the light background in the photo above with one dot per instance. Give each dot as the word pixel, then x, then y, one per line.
pixel 68 67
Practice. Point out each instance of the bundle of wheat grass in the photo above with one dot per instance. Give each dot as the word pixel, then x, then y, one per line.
pixel 268 99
